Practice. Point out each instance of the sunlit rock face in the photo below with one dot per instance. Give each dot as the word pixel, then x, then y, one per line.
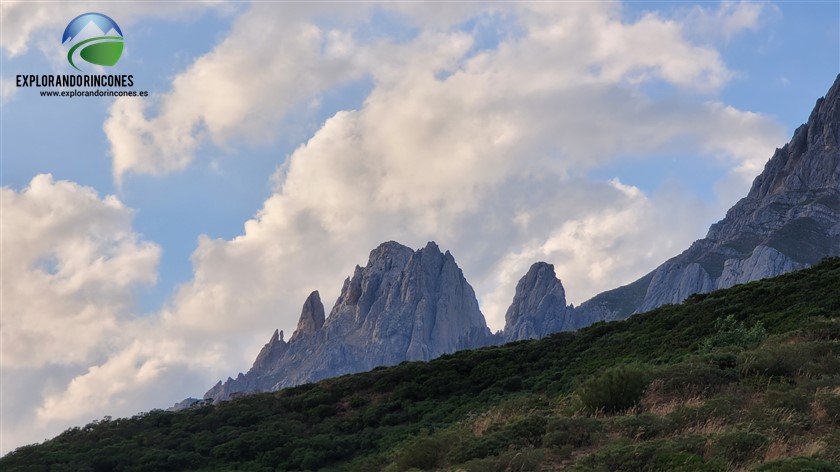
pixel 403 305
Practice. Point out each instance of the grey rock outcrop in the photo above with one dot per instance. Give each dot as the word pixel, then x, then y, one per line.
pixel 538 307
pixel 311 317
pixel 184 404
pixel 273 350
pixel 789 220
pixel 764 262
pixel 403 305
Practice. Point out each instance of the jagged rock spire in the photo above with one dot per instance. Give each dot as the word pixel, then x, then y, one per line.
pixel 311 316
pixel 273 350
pixel 539 305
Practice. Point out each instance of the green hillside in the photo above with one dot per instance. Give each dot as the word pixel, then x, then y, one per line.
pixel 741 379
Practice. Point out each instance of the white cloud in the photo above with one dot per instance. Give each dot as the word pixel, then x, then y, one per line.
pixel 263 69
pixel 273 59
pixel 485 151
pixel 749 151
pixel 727 20
pixel 70 263
pixel 103 387
pixel 8 90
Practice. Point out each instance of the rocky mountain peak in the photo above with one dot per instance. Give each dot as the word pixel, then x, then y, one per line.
pixel 415 303
pixel 789 220
pixel 538 283
pixel 539 305
pixel 402 305
pixel 311 316
pixel 388 255
pixel 271 351
pixel 824 122
pixel 811 160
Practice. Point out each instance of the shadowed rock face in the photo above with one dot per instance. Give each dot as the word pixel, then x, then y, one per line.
pixel 789 220
pixel 539 305
pixel 403 305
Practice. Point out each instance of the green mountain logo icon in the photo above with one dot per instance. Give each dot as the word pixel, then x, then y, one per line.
pixel 95 37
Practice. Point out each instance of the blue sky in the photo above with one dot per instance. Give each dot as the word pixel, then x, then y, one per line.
pixel 477 125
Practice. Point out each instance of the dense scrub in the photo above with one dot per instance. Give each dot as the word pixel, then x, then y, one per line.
pixel 746 378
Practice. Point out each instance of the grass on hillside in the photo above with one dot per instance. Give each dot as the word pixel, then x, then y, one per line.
pixel 741 379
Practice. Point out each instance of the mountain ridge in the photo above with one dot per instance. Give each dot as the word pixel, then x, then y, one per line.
pixel 392 310
pixel 789 220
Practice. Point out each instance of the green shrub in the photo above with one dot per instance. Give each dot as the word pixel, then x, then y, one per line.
pixel 694 378
pixel 732 333
pixel 357 401
pixel 775 361
pixel 804 359
pixel 510 384
pixel 722 359
pixel 527 431
pixel 799 464
pixel 426 452
pixel 620 458
pixel 724 407
pixel 822 329
pixel 524 460
pixel 642 427
pixel 576 432
pixel 783 422
pixel 788 396
pixel 740 447
pixel 656 455
pixel 831 403
pixel 470 447
pixel 679 461
pixel 614 390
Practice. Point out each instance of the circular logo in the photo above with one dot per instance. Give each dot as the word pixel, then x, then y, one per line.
pixel 94 38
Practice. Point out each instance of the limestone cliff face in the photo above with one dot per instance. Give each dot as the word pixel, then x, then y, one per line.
pixel 403 305
pixel 790 219
pixel 538 307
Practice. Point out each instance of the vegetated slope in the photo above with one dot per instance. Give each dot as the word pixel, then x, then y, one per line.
pixel 744 378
